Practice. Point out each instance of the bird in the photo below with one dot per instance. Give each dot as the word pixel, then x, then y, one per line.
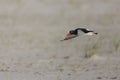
pixel 76 32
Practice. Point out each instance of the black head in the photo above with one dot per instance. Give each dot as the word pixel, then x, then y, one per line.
pixel 74 32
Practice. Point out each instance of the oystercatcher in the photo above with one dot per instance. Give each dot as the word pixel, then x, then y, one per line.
pixel 76 32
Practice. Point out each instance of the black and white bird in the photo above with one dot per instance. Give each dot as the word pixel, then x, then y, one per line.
pixel 76 32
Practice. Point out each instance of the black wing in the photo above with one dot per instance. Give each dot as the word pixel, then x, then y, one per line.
pixel 84 30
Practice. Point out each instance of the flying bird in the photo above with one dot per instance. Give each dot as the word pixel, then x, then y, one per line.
pixel 76 32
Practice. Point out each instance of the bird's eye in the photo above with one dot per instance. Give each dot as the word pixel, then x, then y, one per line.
pixel 70 31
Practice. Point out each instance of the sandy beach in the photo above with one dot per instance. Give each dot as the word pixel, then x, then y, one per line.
pixel 30 34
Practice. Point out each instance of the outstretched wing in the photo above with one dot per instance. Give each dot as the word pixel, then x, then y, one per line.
pixel 84 30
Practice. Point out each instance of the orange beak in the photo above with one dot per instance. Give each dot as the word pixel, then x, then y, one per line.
pixel 68 35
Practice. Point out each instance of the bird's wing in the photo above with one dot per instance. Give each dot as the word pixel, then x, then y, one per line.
pixel 84 30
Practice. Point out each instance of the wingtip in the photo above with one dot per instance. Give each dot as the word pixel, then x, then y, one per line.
pixel 96 33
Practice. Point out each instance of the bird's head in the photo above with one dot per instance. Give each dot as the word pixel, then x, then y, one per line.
pixel 70 33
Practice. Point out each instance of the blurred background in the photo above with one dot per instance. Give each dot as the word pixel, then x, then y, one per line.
pixel 31 30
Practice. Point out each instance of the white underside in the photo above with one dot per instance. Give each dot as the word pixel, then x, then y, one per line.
pixel 82 33
pixel 90 33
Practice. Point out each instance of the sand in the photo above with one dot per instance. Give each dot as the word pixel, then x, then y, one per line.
pixel 30 34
